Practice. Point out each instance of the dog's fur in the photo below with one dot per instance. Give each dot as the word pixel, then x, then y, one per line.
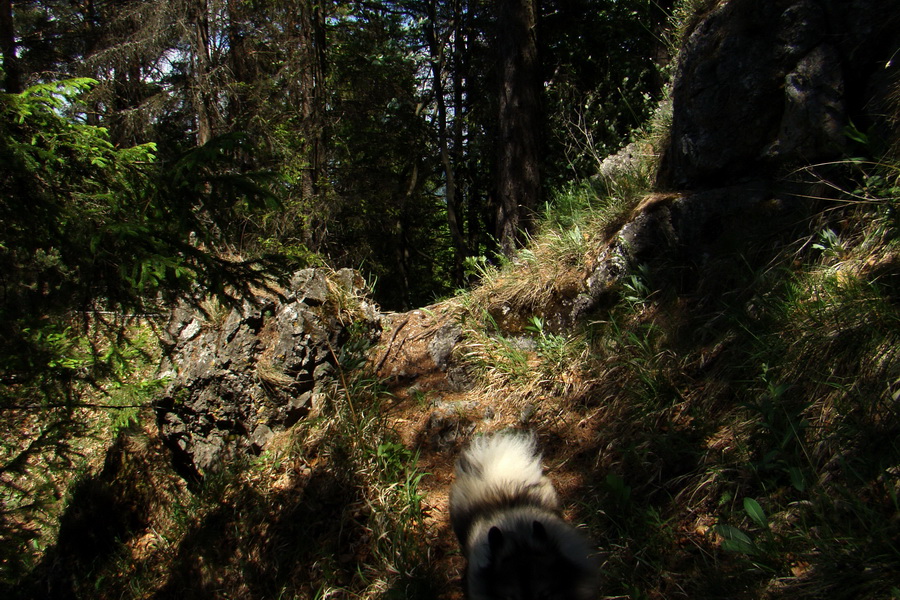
pixel 505 513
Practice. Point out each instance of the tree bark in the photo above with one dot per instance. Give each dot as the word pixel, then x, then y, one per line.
pixel 13 80
pixel 451 197
pixel 239 100
pixel 202 61
pixel 311 32
pixel 518 174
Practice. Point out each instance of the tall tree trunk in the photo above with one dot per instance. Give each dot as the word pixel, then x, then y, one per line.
pixel 311 32
pixel 202 96
pixel 518 185
pixel 461 111
pixel 451 198
pixel 13 81
pixel 239 64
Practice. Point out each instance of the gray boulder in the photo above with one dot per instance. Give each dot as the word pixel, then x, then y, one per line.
pixel 237 378
pixel 766 85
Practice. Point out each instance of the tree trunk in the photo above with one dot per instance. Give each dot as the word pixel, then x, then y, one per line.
pixel 311 32
pixel 202 96
pixel 451 197
pixel 518 185
pixel 462 109
pixel 13 82
pixel 243 74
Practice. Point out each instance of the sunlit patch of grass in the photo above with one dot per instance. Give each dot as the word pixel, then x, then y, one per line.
pixel 544 277
pixel 527 367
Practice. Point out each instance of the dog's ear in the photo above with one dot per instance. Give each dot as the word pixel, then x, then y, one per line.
pixel 495 540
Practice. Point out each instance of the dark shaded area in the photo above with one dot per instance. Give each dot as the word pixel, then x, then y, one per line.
pixel 281 536
pixel 765 86
pixel 51 447
pixel 102 512
pixel 240 541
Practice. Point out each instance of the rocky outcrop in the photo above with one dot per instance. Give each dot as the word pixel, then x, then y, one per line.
pixel 764 85
pixel 237 376
pixel 761 88
pixel 420 344
pixel 683 233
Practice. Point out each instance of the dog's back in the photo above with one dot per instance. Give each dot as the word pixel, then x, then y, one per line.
pixel 505 513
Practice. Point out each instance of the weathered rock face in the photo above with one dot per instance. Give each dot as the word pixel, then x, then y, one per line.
pixel 420 345
pixel 257 369
pixel 762 85
pixel 685 232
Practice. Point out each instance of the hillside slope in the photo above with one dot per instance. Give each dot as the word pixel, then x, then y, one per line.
pixel 704 339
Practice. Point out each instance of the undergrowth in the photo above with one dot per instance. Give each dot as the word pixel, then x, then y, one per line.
pixel 762 430
pixel 745 438
pixel 83 382
pixel 331 509
pixel 740 444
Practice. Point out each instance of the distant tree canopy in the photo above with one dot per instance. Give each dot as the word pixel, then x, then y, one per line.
pixel 400 136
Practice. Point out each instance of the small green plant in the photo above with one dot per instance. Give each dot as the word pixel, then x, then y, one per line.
pixel 393 458
pixel 478 267
pixel 765 547
pixel 637 287
pixel 618 490
pixel 782 432
pixel 556 350
pixel 419 397
pixel 296 252
pixel 830 244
